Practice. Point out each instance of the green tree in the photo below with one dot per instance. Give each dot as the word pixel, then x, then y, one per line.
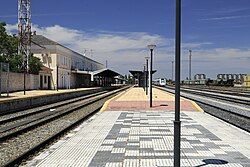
pixel 8 53
pixel 16 62
pixel 35 65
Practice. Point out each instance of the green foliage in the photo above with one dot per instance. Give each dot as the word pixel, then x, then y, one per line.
pixel 8 43
pixel 16 62
pixel 8 53
pixel 35 65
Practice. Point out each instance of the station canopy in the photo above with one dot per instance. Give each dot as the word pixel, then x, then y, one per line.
pixel 105 73
pixel 137 74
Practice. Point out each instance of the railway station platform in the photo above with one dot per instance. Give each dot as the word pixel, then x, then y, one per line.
pixel 35 98
pixel 38 93
pixel 126 132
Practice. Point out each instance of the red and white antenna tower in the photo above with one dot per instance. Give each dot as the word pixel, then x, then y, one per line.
pixel 24 31
pixel 24 34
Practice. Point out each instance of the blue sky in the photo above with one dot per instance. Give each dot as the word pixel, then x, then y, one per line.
pixel 217 32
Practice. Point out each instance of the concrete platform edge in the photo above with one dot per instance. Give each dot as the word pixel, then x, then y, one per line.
pixel 104 107
pixel 25 103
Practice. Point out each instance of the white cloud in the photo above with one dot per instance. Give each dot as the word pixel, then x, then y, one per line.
pixel 225 18
pixel 127 50
pixel 11 29
pixel 101 41
pixel 195 45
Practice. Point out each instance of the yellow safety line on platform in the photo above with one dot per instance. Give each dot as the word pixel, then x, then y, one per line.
pixel 194 104
pixel 191 101
pixel 104 107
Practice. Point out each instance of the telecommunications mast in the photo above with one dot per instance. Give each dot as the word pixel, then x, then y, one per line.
pixel 24 33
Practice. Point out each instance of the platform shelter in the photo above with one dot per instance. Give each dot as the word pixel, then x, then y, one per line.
pixel 104 77
pixel 141 76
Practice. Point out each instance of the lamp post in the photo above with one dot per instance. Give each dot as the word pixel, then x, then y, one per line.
pixel 144 72
pixel 177 122
pixel 151 47
pixel 146 75
pixel 190 51
pixel 172 71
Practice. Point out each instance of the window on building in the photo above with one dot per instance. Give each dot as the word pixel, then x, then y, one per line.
pixel 49 59
pixel 61 59
pixel 45 79
pixel 44 59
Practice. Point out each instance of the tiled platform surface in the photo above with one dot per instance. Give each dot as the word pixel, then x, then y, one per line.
pixel 145 138
pixel 136 99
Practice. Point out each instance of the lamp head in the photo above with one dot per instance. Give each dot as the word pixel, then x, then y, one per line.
pixel 147 58
pixel 151 47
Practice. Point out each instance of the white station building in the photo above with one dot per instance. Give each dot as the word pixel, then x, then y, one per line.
pixel 65 68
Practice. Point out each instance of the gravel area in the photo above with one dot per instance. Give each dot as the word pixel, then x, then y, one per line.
pixel 40 108
pixel 230 106
pixel 19 124
pixel 236 120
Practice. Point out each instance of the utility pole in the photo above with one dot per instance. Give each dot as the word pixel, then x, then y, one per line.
pixel 144 72
pixel 177 122
pixel 147 58
pixel 151 48
pixel 106 63
pixel 24 35
pixel 190 51
pixel 172 71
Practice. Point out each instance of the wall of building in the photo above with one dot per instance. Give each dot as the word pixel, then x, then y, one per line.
pixel 246 82
pixel 16 81
pixel 80 80
pixel 66 60
pixel 45 81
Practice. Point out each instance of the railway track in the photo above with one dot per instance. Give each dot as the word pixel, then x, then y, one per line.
pixel 231 97
pixel 19 120
pixel 234 112
pixel 222 90
pixel 28 131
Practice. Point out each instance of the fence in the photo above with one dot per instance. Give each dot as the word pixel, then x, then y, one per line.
pixel 16 81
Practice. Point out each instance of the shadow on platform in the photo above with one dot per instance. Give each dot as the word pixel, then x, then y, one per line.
pixel 212 162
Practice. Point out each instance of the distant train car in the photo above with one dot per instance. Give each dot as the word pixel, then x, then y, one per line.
pixel 160 82
pixel 221 82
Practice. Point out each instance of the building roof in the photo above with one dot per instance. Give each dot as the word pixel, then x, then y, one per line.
pixel 45 70
pixel 105 73
pixel 137 73
pixel 42 40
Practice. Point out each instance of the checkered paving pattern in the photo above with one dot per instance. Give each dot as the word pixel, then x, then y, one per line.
pixel 146 139
pixel 143 138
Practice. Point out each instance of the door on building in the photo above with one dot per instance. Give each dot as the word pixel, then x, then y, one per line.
pixel 41 82
pixel 49 82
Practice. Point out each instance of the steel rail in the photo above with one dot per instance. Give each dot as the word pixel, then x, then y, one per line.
pixel 229 92
pixel 217 96
pixel 37 110
pixel 234 118
pixel 55 115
